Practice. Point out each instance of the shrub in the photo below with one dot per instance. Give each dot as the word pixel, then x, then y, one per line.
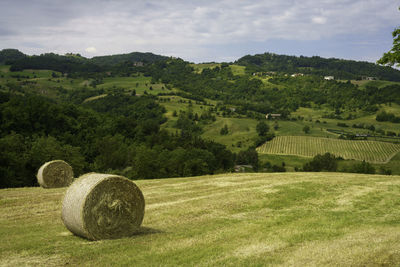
pixel 326 162
pixel 306 129
pixel 363 167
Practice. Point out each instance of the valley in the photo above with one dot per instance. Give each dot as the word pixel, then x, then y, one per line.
pixel 223 103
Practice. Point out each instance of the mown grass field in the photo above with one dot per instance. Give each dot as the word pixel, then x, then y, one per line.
pixel 371 151
pixel 241 132
pixel 297 219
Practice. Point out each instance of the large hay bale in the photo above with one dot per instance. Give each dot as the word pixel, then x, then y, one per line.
pixel 56 173
pixel 103 206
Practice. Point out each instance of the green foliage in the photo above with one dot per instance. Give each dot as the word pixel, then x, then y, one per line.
pixel 112 153
pixel 326 162
pixel 224 130
pixel 339 68
pixel 135 57
pixel 392 57
pixel 306 129
pixel 113 130
pixel 263 138
pixel 22 156
pixel 51 61
pixel 187 124
pixel 262 128
pixel 249 156
pixel 387 116
pixel 277 168
pixel 115 133
pixel 363 167
pixel 8 56
pixel 15 169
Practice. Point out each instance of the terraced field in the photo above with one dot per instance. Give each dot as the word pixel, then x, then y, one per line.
pixel 371 151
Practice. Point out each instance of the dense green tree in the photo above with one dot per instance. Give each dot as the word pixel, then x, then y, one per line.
pixel 112 153
pixel 363 167
pixel 249 156
pixel 15 170
pixel 326 162
pixel 392 57
pixel 224 130
pixel 262 128
pixel 306 129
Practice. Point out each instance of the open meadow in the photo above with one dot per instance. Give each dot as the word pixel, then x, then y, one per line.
pixel 312 219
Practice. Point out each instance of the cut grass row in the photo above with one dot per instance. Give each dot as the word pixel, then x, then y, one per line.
pixel 371 151
pixel 313 219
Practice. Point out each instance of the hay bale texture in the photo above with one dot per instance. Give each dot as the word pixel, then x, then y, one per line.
pixel 56 173
pixel 103 206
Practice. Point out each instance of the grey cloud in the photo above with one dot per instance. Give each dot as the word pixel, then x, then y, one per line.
pixel 6 32
pixel 186 28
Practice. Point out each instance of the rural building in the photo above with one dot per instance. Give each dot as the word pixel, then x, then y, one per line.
pixel 297 75
pixel 268 73
pixel 366 78
pixel 272 116
pixel 329 78
pixel 138 64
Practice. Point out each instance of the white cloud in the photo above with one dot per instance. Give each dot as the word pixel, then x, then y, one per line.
pixel 91 49
pixel 319 20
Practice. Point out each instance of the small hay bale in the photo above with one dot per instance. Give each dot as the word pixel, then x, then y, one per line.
pixel 56 173
pixel 103 206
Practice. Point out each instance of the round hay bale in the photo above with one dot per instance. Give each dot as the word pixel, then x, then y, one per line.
pixel 56 173
pixel 103 206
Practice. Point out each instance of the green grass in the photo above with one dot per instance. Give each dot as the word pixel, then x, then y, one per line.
pixel 371 151
pixel 377 83
pixel 241 132
pixel 237 69
pixel 290 161
pixel 198 68
pixel 301 219
pixel 139 83
pixel 318 129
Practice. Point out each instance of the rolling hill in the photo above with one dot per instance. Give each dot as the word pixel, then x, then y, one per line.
pixel 340 68
pixel 195 106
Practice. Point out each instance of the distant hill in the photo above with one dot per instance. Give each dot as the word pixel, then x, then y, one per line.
pixel 134 57
pixel 339 68
pixel 51 61
pixel 10 55
pixel 73 62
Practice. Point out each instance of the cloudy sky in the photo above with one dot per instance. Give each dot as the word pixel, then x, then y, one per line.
pixel 202 30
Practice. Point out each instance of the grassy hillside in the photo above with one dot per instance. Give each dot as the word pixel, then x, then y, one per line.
pixel 371 151
pixel 298 219
pixel 241 132
pixel 241 121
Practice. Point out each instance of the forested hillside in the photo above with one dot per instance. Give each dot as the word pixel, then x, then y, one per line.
pixel 117 133
pixel 340 68
pixel 135 57
pixel 7 56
